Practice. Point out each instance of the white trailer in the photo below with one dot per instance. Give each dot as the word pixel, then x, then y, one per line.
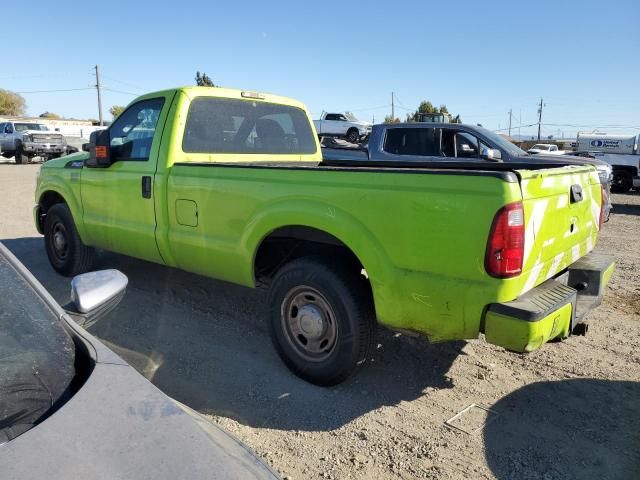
pixel 619 151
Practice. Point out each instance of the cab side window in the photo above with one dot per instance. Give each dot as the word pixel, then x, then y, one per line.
pixel 8 128
pixel 133 131
pixel 413 141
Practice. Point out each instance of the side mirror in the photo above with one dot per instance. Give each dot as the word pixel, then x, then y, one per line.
pixel 492 154
pixel 86 147
pixel 95 294
pixel 99 149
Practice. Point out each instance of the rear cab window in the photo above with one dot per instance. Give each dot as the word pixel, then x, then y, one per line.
pixel 248 127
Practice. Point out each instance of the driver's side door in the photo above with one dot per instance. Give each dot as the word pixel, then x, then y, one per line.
pixel 118 201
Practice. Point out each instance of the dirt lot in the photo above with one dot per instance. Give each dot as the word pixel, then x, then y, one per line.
pixel 568 411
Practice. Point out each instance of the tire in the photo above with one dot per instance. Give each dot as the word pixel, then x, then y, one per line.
pixel 353 135
pixel 67 254
pixel 340 329
pixel 622 182
pixel 21 157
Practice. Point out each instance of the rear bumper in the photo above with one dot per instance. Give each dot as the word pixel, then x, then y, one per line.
pixel 552 309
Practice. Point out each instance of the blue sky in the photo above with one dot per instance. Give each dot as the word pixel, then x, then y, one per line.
pixel 479 58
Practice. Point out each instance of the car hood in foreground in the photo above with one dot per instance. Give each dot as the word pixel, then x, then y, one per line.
pixel 120 426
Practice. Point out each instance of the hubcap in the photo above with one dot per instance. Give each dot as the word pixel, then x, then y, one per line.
pixel 59 241
pixel 309 323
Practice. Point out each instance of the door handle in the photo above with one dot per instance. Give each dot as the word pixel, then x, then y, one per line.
pixel 146 186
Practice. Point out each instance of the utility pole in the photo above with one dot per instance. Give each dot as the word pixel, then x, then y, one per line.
pixel 98 88
pixel 509 122
pixel 393 112
pixel 539 118
pixel 519 124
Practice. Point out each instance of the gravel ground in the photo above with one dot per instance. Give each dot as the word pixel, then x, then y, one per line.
pixel 568 411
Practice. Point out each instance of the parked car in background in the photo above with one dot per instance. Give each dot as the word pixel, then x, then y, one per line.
pixel 71 408
pixel 453 143
pixel 25 140
pixel 343 125
pixel 546 148
pixel 232 185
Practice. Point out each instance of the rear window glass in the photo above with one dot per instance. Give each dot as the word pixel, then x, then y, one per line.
pixel 216 125
pixel 413 141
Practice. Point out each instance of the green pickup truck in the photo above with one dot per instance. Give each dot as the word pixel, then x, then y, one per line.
pixel 232 185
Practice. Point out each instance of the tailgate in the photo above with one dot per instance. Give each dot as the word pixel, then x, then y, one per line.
pixel 562 214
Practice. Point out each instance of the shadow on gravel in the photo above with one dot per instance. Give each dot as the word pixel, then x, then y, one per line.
pixel 206 344
pixel 570 429
pixel 625 209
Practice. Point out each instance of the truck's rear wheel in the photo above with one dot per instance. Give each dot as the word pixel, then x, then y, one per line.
pixel 67 254
pixel 353 135
pixel 321 320
pixel 622 182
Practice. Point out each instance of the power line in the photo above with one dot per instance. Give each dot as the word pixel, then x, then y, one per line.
pixel 123 83
pixel 58 90
pixel 119 91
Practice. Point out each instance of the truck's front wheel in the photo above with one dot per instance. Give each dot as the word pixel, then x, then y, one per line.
pixel 21 157
pixel 67 254
pixel 622 182
pixel 321 319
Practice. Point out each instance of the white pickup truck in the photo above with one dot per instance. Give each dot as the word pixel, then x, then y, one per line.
pixel 343 125
pixel 25 140
pixel 545 148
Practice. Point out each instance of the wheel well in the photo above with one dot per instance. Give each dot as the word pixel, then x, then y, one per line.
pixel 633 171
pixel 288 243
pixel 47 200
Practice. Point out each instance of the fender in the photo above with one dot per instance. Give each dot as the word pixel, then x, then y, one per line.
pixel 69 190
pixel 321 216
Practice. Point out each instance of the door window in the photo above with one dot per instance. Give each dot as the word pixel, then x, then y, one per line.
pixel 132 133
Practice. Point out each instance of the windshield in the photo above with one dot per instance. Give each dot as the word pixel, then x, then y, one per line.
pixel 351 117
pixel 21 127
pixel 502 143
pixel 36 356
pixel 541 147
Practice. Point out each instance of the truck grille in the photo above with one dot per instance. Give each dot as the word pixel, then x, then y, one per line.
pixel 39 138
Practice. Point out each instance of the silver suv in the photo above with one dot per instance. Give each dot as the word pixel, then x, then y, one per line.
pixel 25 140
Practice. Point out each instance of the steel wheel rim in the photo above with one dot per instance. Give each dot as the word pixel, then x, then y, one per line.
pixel 59 242
pixel 309 323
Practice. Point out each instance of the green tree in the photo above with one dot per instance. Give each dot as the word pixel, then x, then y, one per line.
pixel 50 115
pixel 12 103
pixel 116 110
pixel 204 80
pixel 390 119
pixel 428 107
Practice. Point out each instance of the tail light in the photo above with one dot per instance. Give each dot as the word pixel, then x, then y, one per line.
pixel 603 200
pixel 505 247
